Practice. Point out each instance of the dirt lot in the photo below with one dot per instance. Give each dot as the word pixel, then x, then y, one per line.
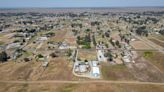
pixel 155 58
pixel 143 70
pixel 6 38
pixel 158 36
pixel 87 54
pixel 139 45
pixel 59 36
pixel 58 69
pixel 116 72
pixel 98 87
pixel 17 71
pixel 158 42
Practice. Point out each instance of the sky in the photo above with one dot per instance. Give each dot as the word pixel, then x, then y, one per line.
pixel 79 3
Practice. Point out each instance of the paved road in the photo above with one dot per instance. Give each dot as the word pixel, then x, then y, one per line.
pixel 82 82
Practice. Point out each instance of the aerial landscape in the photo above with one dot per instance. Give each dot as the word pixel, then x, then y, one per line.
pixel 83 48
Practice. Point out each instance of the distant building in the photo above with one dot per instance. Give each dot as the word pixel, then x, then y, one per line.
pixel 66 46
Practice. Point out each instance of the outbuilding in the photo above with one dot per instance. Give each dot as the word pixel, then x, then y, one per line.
pixel 96 71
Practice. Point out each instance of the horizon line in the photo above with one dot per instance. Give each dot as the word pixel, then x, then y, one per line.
pixel 85 7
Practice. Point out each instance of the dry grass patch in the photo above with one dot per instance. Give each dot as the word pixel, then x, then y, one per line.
pixel 156 58
pixel 96 87
pixel 58 69
pixel 87 54
pixel 116 72
pixel 17 71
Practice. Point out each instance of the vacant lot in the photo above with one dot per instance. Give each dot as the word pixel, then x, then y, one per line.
pixel 59 36
pixel 158 42
pixel 17 71
pixel 143 70
pixel 97 87
pixel 58 69
pixel 87 54
pixel 155 58
pixel 116 72
pixel 158 36
pixel 139 45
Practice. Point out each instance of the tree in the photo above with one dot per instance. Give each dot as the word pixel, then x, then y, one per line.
pixel 40 56
pixel 53 55
pixel 85 60
pixel 69 52
pixel 88 30
pixel 3 56
pixel 110 56
pixel 117 43
pixel 107 46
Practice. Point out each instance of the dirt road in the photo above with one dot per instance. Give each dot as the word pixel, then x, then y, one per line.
pixel 81 82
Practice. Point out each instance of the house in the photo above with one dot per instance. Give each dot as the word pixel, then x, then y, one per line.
pixel 13 45
pixel 83 68
pixel 66 46
pixel 126 59
pixel 42 38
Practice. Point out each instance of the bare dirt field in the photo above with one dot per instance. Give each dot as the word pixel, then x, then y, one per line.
pixel 158 42
pixel 97 87
pixel 140 45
